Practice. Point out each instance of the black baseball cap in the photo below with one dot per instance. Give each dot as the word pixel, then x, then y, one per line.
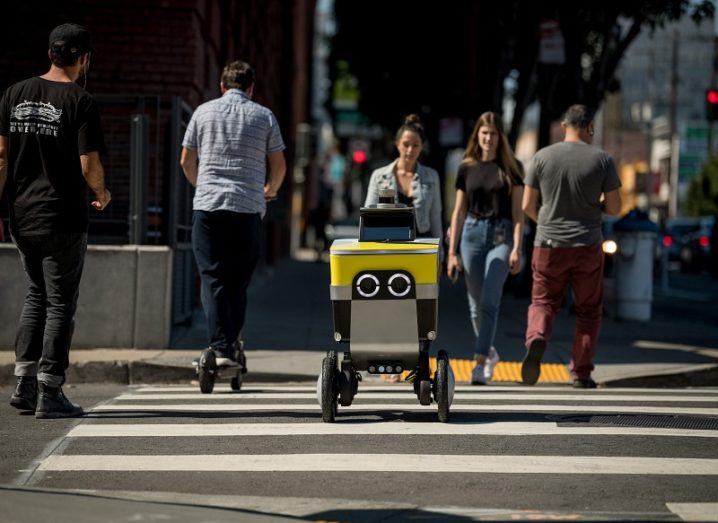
pixel 71 38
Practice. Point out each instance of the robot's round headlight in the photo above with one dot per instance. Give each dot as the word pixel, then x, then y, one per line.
pixel 368 285
pixel 399 285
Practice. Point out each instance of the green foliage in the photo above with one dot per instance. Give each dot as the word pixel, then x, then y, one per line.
pixel 452 58
pixel 702 197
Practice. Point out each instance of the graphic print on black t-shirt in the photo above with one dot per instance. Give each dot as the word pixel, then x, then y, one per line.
pixel 35 117
pixel 48 126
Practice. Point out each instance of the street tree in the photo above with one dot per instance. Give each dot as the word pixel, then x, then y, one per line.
pixel 453 58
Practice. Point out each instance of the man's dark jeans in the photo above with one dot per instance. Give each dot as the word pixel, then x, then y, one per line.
pixel 226 248
pixel 53 265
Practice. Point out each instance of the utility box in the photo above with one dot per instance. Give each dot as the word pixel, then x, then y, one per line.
pixel 636 238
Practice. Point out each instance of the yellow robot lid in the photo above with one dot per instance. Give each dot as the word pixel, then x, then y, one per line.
pixel 355 247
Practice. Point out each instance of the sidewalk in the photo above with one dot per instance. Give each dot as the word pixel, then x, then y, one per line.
pixel 289 328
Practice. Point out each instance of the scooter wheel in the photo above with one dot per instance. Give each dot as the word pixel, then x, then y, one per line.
pixel 236 382
pixel 207 371
pixel 329 387
pixel 441 386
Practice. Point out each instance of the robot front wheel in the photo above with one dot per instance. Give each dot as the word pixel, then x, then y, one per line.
pixel 442 386
pixel 336 386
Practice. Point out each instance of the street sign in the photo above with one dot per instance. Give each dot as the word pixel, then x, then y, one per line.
pixel 451 132
pixel 551 43
pixel 693 150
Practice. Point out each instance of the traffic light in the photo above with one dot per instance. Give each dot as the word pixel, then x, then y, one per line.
pixel 359 156
pixel 712 105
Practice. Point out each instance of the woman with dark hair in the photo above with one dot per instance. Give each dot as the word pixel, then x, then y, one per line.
pixel 486 232
pixel 415 184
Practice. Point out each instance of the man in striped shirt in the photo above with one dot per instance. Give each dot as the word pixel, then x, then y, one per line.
pixel 226 148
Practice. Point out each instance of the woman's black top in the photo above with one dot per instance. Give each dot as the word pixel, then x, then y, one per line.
pixel 486 189
pixel 403 198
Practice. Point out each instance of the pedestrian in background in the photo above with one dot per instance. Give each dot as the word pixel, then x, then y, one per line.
pixel 225 152
pixel 568 179
pixel 415 184
pixel 486 232
pixel 50 140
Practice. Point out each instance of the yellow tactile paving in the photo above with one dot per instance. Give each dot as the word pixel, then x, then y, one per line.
pixel 505 371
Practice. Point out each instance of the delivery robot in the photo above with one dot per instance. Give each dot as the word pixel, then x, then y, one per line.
pixel 384 293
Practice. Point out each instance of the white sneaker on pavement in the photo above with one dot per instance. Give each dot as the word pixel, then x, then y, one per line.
pixel 477 375
pixel 490 364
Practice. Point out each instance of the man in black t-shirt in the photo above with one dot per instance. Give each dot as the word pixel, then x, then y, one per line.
pixel 50 139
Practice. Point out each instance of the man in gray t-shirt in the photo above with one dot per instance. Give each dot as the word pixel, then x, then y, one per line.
pixel 571 177
pixel 569 180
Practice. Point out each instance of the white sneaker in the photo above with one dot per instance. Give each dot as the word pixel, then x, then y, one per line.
pixel 490 364
pixel 477 375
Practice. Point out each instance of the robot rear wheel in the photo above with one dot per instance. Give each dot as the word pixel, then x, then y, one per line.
pixel 329 387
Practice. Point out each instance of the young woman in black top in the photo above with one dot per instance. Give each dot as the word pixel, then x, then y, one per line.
pixel 486 232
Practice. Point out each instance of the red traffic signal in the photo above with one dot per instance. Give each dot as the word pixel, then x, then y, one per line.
pixel 359 156
pixel 712 105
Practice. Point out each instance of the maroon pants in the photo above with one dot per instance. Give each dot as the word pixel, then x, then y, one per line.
pixel 553 268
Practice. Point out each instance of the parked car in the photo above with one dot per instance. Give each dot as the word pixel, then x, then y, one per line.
pixel 695 253
pixel 676 234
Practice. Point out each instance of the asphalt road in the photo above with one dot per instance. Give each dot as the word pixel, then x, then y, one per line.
pixel 509 453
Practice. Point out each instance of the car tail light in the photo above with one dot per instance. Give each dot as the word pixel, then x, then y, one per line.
pixel 667 241
pixel 704 241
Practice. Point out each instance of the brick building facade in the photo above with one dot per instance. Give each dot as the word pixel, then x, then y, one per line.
pixel 160 59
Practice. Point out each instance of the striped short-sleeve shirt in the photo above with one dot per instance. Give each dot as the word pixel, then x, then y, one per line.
pixel 232 136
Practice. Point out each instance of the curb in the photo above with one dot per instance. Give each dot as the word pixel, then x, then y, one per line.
pixel 142 372
pixel 698 378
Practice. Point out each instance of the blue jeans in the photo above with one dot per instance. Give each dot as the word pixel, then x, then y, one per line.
pixel 486 266
pixel 53 265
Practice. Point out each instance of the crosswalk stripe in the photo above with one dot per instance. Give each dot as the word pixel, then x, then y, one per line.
pixel 481 396
pixel 459 388
pixel 492 464
pixel 408 407
pixel 369 429
pixel 695 511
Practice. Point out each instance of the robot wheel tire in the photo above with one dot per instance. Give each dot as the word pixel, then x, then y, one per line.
pixel 348 383
pixel 425 392
pixel 207 371
pixel 329 387
pixel 441 385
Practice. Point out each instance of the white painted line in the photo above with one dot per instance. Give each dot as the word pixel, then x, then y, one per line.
pixel 93 430
pixel 528 391
pixel 491 464
pixel 408 395
pixel 407 407
pixel 695 511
